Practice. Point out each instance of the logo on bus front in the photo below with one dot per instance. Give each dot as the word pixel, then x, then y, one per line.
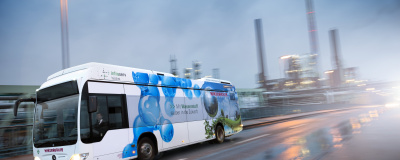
pixel 54 150
pixel 220 94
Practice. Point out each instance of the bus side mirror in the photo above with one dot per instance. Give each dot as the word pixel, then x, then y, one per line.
pixel 92 107
pixel 19 101
pixel 16 105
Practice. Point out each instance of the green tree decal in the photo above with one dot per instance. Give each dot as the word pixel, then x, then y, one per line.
pixel 209 129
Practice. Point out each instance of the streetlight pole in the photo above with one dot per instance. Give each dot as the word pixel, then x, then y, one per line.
pixel 64 33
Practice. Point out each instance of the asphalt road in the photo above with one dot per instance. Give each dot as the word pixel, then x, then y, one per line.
pixel 363 133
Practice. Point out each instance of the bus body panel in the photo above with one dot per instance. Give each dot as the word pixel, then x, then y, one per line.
pixel 196 131
pixel 60 152
pixel 180 136
pixel 106 88
pixel 113 143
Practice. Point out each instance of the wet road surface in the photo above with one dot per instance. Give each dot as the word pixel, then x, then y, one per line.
pixel 364 133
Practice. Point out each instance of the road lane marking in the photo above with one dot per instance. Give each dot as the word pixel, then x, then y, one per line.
pixel 252 139
pixel 297 126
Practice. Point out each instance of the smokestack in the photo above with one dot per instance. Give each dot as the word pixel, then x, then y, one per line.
pixel 312 31
pixel 260 49
pixel 337 63
pixel 174 69
pixel 196 70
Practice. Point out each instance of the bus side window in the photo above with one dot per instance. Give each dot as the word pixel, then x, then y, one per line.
pixel 109 116
pixel 100 119
pixel 115 111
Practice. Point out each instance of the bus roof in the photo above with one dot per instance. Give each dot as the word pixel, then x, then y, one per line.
pixel 107 72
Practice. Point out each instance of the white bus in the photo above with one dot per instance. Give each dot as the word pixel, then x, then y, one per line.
pixel 100 111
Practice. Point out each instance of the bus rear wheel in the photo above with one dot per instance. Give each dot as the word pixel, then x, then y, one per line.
pixel 219 134
pixel 146 149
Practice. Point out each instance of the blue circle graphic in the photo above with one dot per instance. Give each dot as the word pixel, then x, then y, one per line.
pixel 139 127
pixel 141 78
pixel 210 103
pixel 196 90
pixel 167 131
pixel 153 79
pixel 149 110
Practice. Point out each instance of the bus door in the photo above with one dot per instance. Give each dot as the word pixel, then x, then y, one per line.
pixel 109 124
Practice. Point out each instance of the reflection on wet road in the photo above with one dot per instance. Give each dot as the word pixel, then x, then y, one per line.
pixel 307 138
pixel 314 144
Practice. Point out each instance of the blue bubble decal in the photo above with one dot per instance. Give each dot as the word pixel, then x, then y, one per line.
pixel 210 103
pixel 128 151
pixel 152 91
pixel 143 89
pixel 182 83
pixel 167 130
pixel 169 92
pixel 178 81
pixel 171 82
pixel 149 110
pixel 153 79
pixel 140 78
pixel 188 93
pixel 196 90
pixel 139 127
pixel 187 83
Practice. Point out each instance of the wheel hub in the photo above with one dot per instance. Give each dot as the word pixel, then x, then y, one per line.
pixel 146 150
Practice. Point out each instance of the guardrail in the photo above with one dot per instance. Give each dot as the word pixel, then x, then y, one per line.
pixel 263 112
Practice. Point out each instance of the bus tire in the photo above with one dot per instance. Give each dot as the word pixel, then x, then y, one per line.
pixel 219 134
pixel 146 149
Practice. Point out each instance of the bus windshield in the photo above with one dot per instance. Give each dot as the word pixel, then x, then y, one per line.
pixel 55 122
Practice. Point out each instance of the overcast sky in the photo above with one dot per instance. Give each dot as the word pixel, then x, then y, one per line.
pixel 218 33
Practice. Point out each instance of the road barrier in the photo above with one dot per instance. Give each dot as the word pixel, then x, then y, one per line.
pixel 263 112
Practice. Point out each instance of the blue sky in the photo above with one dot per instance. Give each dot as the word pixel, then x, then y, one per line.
pixel 219 33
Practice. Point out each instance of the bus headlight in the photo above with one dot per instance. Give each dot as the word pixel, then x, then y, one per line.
pixel 82 156
pixel 37 158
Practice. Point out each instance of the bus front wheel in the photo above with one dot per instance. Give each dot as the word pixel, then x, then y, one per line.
pixel 219 134
pixel 146 149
